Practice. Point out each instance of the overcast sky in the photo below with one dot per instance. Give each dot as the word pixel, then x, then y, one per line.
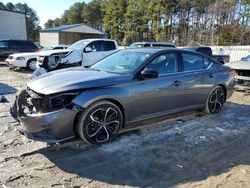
pixel 47 9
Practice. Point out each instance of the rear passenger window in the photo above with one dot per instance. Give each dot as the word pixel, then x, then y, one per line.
pixel 192 62
pixel 109 46
pixel 16 44
pixel 146 45
pixel 29 45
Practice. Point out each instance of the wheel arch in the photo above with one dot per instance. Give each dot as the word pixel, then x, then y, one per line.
pixel 116 102
pixel 31 59
pixel 224 89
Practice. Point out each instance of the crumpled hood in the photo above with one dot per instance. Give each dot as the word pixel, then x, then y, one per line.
pixel 50 52
pixel 240 65
pixel 74 79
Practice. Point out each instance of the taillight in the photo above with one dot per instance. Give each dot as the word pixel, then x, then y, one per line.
pixel 37 49
pixel 233 73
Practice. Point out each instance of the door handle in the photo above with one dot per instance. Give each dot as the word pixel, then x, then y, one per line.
pixel 177 82
pixel 211 75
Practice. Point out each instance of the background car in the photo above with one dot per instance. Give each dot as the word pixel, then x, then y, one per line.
pixel 247 58
pixel 84 52
pixel 125 87
pixel 28 60
pixel 152 44
pixel 208 51
pixel 242 70
pixel 8 47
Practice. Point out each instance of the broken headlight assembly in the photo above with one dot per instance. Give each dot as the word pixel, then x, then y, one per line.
pixel 61 100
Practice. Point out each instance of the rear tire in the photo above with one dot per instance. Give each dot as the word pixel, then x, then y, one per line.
pixel 215 100
pixel 31 64
pixel 100 123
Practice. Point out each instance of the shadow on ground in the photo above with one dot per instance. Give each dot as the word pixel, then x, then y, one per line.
pixel 155 157
pixel 6 89
pixel 22 70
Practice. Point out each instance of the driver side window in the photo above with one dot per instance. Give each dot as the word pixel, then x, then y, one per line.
pixel 164 64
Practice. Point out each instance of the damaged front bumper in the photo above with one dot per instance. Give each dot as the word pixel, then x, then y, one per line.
pixel 51 127
pixel 242 77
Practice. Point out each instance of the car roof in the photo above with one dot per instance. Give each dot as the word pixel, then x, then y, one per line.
pixel 162 49
pixel 97 39
pixel 16 40
pixel 152 50
pixel 169 43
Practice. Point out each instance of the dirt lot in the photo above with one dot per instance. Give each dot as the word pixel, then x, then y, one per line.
pixel 194 150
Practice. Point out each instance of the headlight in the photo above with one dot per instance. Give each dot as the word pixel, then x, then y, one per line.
pixel 62 100
pixel 20 58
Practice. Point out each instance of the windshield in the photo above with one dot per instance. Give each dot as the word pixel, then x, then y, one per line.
pixel 247 58
pixel 78 45
pixel 122 62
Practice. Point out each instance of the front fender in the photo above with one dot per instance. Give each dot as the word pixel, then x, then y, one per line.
pixel 120 95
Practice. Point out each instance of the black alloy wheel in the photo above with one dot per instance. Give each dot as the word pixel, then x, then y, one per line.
pixel 215 100
pixel 100 123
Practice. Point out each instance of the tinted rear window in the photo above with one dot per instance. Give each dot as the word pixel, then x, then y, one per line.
pixel 109 46
pixel 205 50
pixel 164 45
pixel 21 45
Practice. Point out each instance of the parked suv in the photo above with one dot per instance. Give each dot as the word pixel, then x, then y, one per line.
pixel 8 47
pixel 84 52
pixel 152 44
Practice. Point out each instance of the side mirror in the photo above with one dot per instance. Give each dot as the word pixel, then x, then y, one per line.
pixel 149 73
pixel 88 49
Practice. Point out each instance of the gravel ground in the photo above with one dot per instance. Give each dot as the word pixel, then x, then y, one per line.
pixel 192 150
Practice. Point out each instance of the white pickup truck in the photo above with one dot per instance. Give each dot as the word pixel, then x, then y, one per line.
pixel 84 52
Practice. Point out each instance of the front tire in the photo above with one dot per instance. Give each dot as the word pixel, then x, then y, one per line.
pixel 215 100
pixel 31 64
pixel 100 123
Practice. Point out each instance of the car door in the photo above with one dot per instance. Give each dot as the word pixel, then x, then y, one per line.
pixel 196 79
pixel 97 53
pixel 157 96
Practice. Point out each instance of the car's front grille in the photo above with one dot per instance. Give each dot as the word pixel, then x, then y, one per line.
pixel 243 73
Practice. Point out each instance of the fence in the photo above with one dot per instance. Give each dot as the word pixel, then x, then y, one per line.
pixel 235 52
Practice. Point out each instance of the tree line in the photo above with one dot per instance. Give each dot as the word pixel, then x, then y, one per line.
pixel 208 22
pixel 32 20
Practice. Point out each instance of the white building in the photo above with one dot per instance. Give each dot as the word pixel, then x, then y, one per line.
pixel 12 25
pixel 68 34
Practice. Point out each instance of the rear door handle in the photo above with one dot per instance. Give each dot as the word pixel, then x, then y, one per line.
pixel 211 75
pixel 177 82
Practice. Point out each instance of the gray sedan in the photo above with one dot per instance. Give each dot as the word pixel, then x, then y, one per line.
pixel 132 85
